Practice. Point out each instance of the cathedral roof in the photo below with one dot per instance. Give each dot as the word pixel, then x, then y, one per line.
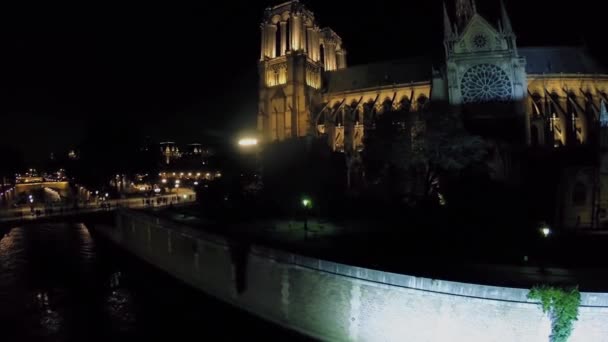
pixel 380 74
pixel 567 60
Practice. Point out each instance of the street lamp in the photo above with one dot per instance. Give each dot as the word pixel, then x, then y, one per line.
pixel 545 231
pixel 306 204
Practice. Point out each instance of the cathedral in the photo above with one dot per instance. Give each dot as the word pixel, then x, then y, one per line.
pixel 549 98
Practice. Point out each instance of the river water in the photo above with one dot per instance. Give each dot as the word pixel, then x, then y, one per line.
pixel 58 282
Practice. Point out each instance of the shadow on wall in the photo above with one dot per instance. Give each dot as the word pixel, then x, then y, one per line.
pixel 239 254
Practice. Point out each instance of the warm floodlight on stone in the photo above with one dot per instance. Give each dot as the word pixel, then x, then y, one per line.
pixel 248 142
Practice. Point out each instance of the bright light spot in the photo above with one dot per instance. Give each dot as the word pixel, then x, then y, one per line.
pixel 176 186
pixel 307 203
pixel 31 200
pixel 248 142
pixel 189 174
pixel 546 231
pixel 181 174
pixel 157 190
pixel 185 196
pixel 107 195
pixel 195 183
pixel 177 181
pixel 164 181
pixel 198 174
pixel 96 192
pixel 207 174
pixel 174 173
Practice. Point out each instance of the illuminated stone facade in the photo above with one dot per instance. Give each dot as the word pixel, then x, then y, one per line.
pixel 306 86
pixel 553 94
pixel 295 52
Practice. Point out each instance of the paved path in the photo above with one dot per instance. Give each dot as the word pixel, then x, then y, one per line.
pixel 25 213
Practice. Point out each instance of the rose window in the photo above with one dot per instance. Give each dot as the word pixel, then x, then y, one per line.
pixel 486 83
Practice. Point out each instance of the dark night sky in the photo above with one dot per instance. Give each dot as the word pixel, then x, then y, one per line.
pixel 186 72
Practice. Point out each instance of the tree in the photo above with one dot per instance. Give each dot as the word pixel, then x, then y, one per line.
pixel 418 148
pixel 297 167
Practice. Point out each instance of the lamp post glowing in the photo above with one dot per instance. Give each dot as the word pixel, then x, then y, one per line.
pixel 306 204
pixel 545 231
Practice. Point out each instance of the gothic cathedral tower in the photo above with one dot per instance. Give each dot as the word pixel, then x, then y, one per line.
pixel 482 62
pixel 294 54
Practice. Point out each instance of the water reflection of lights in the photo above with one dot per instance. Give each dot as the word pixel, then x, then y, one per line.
pixel 6 243
pixel 118 303
pixel 50 319
pixel 88 245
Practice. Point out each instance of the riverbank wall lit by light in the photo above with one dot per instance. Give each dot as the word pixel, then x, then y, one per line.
pixel 337 302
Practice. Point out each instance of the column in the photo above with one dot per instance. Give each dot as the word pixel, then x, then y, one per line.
pixel 310 42
pixel 330 55
pixel 303 36
pixel 271 44
pixel 317 44
pixel 283 38
pixel 341 56
pixel 296 27
pixel 263 39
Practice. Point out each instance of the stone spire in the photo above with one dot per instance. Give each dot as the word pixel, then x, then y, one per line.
pixel 447 25
pixel 506 21
pixel 465 9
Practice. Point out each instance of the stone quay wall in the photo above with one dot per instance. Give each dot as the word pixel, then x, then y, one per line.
pixel 337 302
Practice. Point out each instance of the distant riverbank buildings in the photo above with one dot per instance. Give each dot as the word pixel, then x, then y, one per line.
pixel 544 101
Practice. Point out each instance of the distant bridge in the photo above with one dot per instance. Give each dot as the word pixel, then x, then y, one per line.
pixel 63 188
